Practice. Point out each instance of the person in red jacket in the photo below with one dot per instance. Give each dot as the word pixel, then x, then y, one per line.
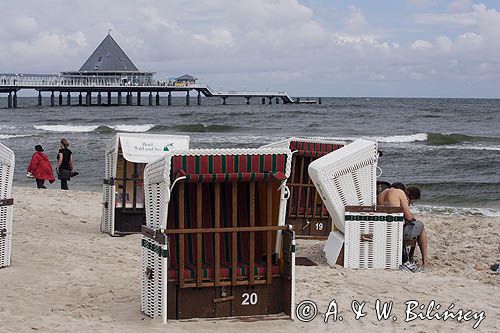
pixel 40 168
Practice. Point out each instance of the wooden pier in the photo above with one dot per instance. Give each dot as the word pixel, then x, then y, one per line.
pixel 62 93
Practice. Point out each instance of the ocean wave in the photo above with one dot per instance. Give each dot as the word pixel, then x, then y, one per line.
pixel 199 128
pixel 389 139
pixel 494 148
pixel 132 128
pixel 464 211
pixel 11 136
pixel 96 128
pixel 441 139
pixel 67 128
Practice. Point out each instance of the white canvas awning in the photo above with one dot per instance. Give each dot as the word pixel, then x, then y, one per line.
pixel 145 148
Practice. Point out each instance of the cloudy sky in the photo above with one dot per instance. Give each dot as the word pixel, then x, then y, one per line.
pixel 400 48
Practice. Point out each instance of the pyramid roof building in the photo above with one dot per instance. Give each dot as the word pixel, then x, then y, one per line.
pixel 111 64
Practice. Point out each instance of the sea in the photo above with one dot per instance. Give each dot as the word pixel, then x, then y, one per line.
pixel 450 148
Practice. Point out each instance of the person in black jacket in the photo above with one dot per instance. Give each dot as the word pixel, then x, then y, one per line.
pixel 64 163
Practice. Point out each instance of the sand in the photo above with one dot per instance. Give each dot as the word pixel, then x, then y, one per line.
pixel 66 276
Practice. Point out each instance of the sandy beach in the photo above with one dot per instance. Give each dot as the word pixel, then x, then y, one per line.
pixel 66 276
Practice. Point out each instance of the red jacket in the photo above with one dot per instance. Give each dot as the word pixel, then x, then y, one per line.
pixel 40 167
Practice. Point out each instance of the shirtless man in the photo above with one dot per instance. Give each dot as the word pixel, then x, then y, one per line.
pixel 404 197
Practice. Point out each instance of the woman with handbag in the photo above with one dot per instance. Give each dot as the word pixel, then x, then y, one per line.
pixel 64 164
pixel 40 168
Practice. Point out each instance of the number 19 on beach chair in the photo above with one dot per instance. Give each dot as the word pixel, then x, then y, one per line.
pixel 305 209
pixel 7 162
pixel 215 243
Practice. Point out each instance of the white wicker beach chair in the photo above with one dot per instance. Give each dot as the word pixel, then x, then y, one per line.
pixel 7 163
pixel 371 236
pixel 305 209
pixel 214 222
pixel 126 155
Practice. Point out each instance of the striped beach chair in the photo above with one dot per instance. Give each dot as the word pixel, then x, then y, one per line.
pixel 7 163
pixel 305 209
pixel 215 242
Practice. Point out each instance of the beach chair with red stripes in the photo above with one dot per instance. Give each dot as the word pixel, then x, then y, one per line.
pixel 7 163
pixel 215 242
pixel 305 209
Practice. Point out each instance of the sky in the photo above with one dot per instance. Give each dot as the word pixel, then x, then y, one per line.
pixel 397 48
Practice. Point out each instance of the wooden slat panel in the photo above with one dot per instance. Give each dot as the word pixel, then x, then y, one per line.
pixel 269 233
pixel 252 234
pixel 199 243
pixel 307 204
pixel 291 188
pixel 234 237
pixel 182 236
pixel 300 189
pixel 217 234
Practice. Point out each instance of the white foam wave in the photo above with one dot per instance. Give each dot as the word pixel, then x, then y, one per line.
pixel 10 136
pixel 132 128
pixel 467 211
pixel 402 138
pixel 67 128
pixel 390 139
pixel 90 128
pixel 495 148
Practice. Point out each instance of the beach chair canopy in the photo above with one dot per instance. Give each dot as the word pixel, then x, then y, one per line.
pixel 7 163
pixel 145 148
pixel 346 177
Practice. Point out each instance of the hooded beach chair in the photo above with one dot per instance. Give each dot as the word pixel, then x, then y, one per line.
pixel 346 180
pixel 7 163
pixel 305 209
pixel 215 242
pixel 123 186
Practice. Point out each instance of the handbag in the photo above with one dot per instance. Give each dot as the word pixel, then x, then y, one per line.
pixel 63 174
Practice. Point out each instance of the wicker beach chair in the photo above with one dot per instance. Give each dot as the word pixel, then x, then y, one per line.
pixel 7 163
pixel 367 235
pixel 126 155
pixel 305 209
pixel 215 242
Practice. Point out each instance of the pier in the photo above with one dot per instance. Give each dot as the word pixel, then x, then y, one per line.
pixel 62 91
pixel 109 72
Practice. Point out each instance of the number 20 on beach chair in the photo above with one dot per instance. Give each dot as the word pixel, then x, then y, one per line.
pixel 7 162
pixel 215 242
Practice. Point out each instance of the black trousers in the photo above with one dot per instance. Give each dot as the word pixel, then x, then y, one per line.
pixel 39 183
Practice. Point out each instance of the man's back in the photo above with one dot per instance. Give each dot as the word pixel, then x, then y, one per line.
pixel 394 197
pixel 391 197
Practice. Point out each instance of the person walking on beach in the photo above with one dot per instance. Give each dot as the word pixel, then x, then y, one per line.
pixel 64 163
pixel 401 196
pixel 40 168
